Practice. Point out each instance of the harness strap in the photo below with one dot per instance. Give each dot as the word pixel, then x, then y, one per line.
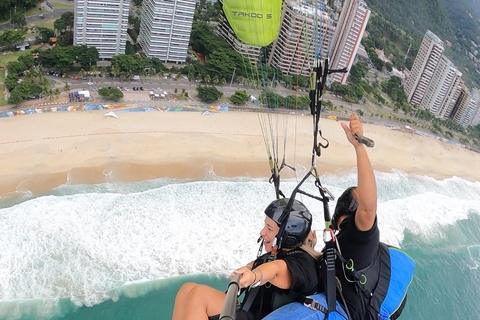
pixel 314 305
pixel 249 298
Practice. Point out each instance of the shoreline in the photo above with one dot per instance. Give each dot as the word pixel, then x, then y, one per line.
pixel 46 150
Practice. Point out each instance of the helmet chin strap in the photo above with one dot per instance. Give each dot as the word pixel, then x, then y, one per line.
pixel 260 249
pixel 273 253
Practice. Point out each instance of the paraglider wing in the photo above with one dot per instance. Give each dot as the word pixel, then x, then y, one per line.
pixel 255 22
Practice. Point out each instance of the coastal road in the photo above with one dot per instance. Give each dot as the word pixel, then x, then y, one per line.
pixel 169 85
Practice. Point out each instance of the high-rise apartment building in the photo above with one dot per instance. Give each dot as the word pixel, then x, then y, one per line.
pixel 451 98
pixel 101 24
pixel 423 68
pixel 348 35
pixel 294 50
pixel 461 105
pixel 473 113
pixel 443 87
pixel 165 29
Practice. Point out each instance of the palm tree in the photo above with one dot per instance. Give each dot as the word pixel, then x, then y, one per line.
pixel 129 75
pixel 66 88
pixel 114 72
pixel 56 92
pixel 215 80
pixel 40 75
pixel 49 93
pixel 143 73
pixel 123 75
pixel 93 71
pixel 103 71
pixel 83 73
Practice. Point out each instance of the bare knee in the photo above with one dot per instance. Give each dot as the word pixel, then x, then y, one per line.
pixel 181 300
pixel 184 290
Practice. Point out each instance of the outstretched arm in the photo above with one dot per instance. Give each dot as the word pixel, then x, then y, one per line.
pixel 276 272
pixel 367 188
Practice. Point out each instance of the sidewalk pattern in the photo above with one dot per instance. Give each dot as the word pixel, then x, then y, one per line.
pixel 118 107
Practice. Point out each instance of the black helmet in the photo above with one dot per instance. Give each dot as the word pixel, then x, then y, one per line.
pixel 347 204
pixel 297 226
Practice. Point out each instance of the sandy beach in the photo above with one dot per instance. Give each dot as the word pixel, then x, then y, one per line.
pixel 42 151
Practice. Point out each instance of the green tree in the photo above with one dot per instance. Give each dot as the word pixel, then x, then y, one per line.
pixel 208 94
pixel 113 94
pixel 358 71
pixel 65 39
pixel 15 98
pixel 16 67
pixel 27 60
pixel 86 56
pixel 208 79
pixel 239 97
pixel 45 34
pixel 18 19
pixel 10 37
pixel 204 40
pixel 65 22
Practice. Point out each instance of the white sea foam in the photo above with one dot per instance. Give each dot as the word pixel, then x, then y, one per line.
pixel 82 246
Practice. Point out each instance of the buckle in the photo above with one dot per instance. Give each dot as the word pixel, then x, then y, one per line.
pixel 310 303
pixel 314 305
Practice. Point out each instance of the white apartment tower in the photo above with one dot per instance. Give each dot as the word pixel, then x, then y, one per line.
pixel 165 29
pixel 293 51
pixel 101 24
pixel 451 98
pixel 472 115
pixel 461 106
pixel 348 35
pixel 423 68
pixel 439 90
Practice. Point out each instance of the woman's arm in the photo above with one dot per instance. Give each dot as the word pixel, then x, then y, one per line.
pixel 276 272
pixel 367 188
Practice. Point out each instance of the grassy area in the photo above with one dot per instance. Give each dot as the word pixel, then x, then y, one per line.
pixel 2 88
pixel 61 5
pixel 43 23
pixel 383 113
pixel 368 109
pixel 34 11
pixel 12 56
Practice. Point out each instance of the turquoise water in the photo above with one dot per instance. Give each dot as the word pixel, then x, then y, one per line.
pixel 121 251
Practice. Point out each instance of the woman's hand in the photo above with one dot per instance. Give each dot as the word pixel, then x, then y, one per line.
pixel 247 277
pixel 355 127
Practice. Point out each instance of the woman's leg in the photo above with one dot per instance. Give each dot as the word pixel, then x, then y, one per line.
pixel 196 301
pixel 181 300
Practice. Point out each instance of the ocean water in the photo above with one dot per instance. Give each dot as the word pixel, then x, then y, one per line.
pixel 121 251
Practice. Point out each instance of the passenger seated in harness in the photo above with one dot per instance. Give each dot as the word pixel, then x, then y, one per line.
pixel 287 272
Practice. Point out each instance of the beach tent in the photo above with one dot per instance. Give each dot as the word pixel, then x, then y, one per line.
pixel 207 113
pixel 111 114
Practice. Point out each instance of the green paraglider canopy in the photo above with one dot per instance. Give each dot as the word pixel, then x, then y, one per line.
pixel 255 22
